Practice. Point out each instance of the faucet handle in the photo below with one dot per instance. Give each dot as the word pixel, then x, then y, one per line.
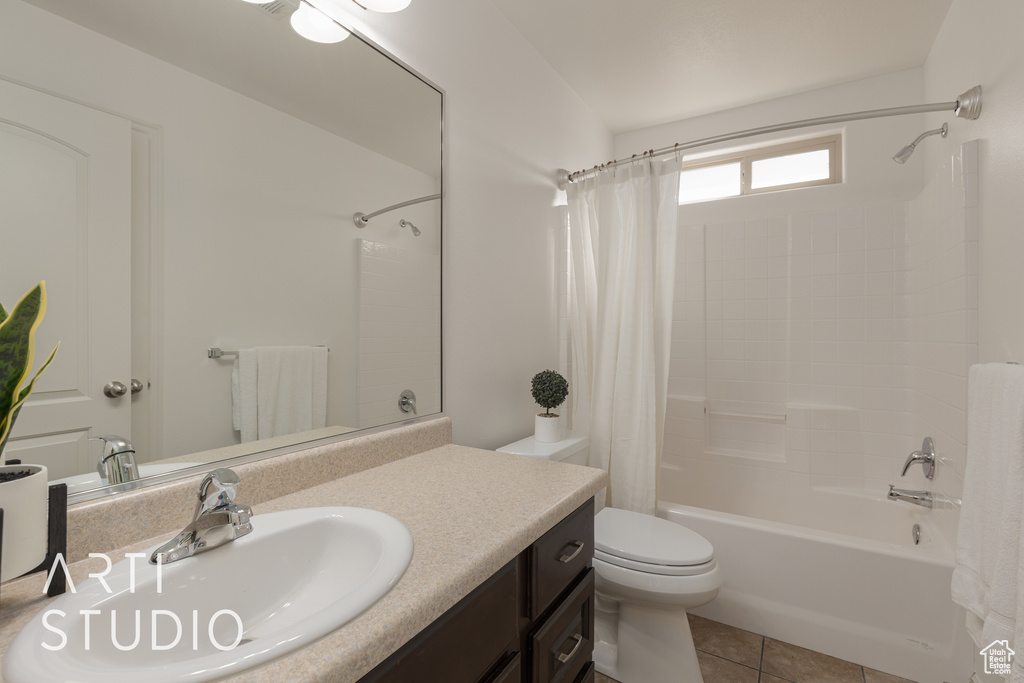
pixel 217 489
pixel 925 456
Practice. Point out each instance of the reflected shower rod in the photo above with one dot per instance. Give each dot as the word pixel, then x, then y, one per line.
pixel 362 219
pixel 967 106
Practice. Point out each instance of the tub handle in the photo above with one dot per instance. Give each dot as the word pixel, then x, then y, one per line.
pixel 563 658
pixel 566 559
pixel 925 456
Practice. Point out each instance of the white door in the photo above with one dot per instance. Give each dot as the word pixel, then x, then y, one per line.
pixel 65 217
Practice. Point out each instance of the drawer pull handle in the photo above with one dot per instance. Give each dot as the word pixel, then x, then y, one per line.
pixel 563 658
pixel 566 559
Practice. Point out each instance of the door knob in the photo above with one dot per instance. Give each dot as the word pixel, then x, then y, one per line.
pixel 114 390
pixel 137 386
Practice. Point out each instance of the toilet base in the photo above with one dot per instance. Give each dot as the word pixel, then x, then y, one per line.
pixel 646 645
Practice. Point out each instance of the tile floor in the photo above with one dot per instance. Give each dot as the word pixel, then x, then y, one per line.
pixel 731 655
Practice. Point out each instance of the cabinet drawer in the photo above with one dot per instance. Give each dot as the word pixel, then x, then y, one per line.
pixel 557 557
pixel 563 646
pixel 466 642
pixel 589 675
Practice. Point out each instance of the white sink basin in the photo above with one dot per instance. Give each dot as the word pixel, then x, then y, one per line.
pixel 298 576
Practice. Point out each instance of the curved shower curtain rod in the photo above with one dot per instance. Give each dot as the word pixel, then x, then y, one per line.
pixel 362 219
pixel 967 106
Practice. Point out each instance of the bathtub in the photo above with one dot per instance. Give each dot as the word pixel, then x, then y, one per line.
pixel 836 571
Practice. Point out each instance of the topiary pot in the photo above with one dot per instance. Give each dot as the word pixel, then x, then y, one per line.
pixel 547 428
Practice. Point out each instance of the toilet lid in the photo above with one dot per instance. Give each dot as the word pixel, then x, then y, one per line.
pixel 650 540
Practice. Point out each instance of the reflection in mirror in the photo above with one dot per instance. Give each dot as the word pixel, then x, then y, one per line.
pixel 184 176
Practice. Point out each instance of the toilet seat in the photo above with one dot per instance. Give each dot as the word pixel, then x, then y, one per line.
pixel 651 545
pixel 661 569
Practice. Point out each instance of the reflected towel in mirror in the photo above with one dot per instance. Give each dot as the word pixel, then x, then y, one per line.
pixel 279 390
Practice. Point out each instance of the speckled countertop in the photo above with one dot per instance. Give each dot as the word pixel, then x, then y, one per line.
pixel 469 511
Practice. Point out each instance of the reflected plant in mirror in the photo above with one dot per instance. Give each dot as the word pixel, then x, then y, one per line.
pixel 17 355
pixel 186 185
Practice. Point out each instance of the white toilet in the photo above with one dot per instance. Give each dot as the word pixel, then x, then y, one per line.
pixel 649 571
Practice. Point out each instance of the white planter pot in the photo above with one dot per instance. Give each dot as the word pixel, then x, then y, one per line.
pixel 24 503
pixel 547 428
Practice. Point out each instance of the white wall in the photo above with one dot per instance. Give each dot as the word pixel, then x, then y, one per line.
pixel 511 122
pixel 276 204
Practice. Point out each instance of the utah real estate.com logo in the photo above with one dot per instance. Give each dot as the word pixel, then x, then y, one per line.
pixel 998 658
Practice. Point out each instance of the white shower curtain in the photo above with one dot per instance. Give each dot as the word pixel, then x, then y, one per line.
pixel 622 245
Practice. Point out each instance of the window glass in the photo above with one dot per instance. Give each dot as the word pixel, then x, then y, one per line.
pixel 792 168
pixel 709 182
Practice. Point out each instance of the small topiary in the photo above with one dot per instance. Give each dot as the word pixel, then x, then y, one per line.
pixel 549 390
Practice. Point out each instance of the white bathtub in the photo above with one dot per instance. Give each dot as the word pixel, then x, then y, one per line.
pixel 836 571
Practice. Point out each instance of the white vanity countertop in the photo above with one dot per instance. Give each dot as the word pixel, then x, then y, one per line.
pixel 469 511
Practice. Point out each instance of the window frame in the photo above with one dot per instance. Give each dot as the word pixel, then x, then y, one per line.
pixel 833 143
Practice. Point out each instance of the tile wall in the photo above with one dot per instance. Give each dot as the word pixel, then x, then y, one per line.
pixel 399 331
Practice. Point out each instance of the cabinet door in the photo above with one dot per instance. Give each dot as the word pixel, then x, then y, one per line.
pixel 563 645
pixel 510 671
pixel 466 643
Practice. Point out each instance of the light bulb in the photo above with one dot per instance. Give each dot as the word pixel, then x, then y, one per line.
pixel 383 5
pixel 312 24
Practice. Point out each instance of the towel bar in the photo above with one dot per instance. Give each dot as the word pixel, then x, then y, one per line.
pixel 217 352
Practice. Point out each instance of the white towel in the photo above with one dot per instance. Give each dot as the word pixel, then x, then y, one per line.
pixel 244 412
pixel 291 392
pixel 988 580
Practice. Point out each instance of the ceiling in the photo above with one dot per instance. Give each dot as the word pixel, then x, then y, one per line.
pixel 640 63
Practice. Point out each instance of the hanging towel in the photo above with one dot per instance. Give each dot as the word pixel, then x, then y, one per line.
pixel 243 395
pixel 291 393
pixel 988 580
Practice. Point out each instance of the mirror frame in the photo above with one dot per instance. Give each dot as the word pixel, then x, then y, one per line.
pixel 186 472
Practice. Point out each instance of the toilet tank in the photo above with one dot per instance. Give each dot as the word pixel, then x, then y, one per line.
pixel 572 449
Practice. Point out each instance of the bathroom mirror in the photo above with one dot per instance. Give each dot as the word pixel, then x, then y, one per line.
pixel 184 175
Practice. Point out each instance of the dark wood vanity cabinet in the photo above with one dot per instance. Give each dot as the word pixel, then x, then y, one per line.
pixel 531 622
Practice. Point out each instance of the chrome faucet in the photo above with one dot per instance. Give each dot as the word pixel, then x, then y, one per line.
pixel 925 456
pixel 118 462
pixel 216 521
pixel 922 498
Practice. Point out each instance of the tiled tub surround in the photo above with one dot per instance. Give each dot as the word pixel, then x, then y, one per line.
pixel 469 512
pixel 811 353
pixel 819 349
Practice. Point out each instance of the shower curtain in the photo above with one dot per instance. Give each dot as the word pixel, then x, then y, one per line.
pixel 622 248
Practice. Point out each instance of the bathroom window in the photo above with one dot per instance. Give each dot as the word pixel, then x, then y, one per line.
pixel 763 169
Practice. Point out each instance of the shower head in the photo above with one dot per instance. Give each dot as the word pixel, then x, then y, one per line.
pixel 408 224
pixel 901 156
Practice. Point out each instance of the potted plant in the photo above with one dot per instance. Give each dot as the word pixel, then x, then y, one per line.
pixel 22 487
pixel 549 390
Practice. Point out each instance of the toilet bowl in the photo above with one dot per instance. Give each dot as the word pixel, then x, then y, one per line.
pixel 648 572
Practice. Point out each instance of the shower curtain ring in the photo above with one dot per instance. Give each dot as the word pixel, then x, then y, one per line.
pixel 676 148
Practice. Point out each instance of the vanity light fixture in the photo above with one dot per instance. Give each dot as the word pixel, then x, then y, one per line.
pixel 312 24
pixel 383 5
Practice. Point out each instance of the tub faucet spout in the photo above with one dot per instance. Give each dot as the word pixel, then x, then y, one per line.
pixel 922 498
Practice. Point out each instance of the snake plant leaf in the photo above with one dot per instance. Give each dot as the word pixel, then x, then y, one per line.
pixel 3 313
pixel 7 423
pixel 17 350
